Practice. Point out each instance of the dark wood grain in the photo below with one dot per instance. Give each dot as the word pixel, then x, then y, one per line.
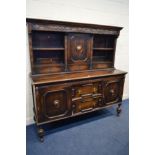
pixel 72 69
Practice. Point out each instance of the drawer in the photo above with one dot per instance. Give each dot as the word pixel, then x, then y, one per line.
pixel 88 88
pixel 52 102
pixel 86 103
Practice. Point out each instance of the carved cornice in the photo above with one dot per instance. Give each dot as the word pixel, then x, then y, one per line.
pixel 61 28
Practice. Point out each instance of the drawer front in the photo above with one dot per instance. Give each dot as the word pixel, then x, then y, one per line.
pixel 52 102
pixel 79 47
pixel 86 97
pixel 86 104
pixel 86 89
pixel 113 91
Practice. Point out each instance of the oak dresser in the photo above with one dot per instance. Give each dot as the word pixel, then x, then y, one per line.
pixel 72 69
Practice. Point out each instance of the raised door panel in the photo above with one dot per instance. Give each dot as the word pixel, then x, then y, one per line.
pixel 79 49
pixel 53 102
pixel 113 90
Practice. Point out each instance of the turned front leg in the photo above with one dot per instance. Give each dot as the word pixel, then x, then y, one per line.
pixel 119 110
pixel 41 134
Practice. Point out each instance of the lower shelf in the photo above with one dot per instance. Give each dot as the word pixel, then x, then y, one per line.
pixel 48 68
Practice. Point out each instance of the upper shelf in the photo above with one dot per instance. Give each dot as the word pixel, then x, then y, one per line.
pixel 59 48
pixel 47 49
pixel 105 49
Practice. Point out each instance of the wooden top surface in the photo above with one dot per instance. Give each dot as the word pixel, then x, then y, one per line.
pixel 66 76
pixel 66 23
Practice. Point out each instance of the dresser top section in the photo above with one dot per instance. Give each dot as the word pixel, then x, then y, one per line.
pixel 58 47
pixel 38 24
pixel 64 77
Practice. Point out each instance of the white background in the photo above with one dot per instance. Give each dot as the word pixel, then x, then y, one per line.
pixel 106 12
pixel 13 77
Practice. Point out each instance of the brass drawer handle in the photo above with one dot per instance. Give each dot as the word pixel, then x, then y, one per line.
pixel 95 90
pixel 79 92
pixel 86 110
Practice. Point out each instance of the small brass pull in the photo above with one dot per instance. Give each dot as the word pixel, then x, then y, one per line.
pixel 86 110
pixel 100 100
pixel 95 90
pixel 56 103
pixel 79 92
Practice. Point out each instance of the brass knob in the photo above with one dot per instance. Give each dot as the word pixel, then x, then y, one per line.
pixel 79 92
pixel 95 90
pixel 100 99
pixel 79 47
pixel 56 103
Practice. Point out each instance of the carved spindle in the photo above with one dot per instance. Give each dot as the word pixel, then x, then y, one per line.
pixel 73 92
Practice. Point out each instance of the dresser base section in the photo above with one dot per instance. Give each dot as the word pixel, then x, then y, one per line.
pixel 59 101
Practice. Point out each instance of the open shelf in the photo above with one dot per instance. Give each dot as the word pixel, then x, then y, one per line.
pixel 107 62
pixel 48 49
pixel 102 57
pixel 103 41
pixel 48 65
pixel 104 49
pixel 48 57
pixel 47 40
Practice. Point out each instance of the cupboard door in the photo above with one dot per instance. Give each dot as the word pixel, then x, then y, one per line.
pixel 53 102
pixel 113 91
pixel 79 50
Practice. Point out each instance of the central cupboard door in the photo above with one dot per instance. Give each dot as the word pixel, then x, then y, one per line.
pixel 53 102
pixel 79 48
